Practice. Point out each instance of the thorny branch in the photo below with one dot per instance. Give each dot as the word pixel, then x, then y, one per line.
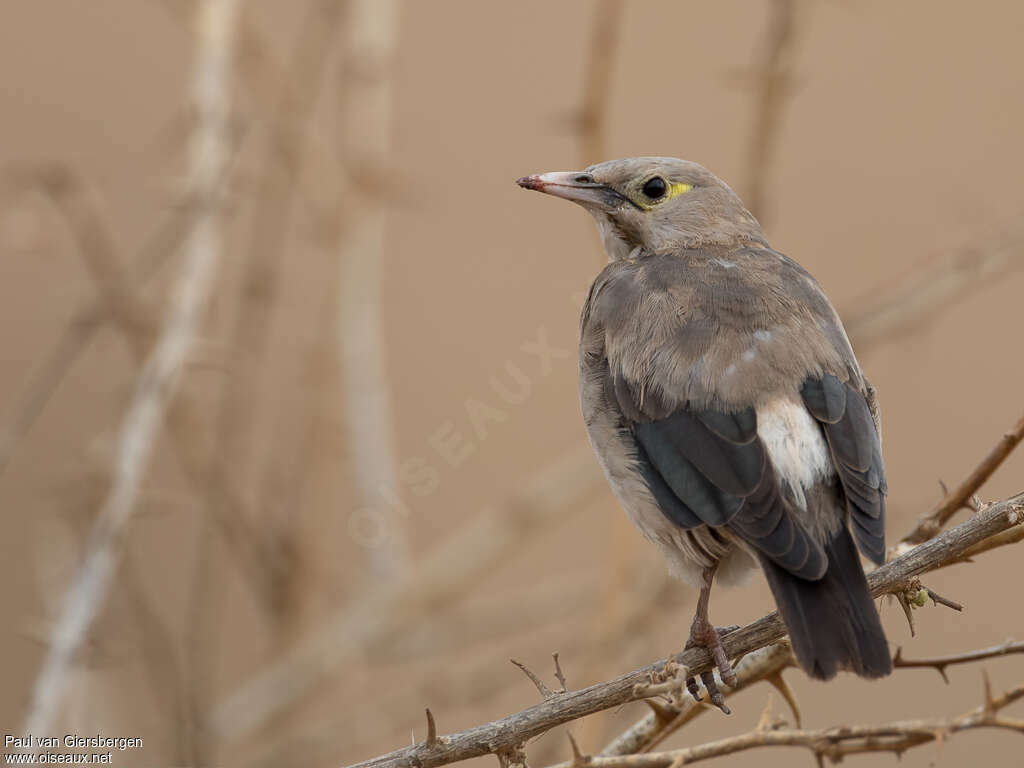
pixel 833 743
pixel 940 663
pixel 886 313
pixel 516 729
pixel 959 497
pixel 666 717
pixel 158 379
pixel 593 115
pixel 655 727
pixel 773 81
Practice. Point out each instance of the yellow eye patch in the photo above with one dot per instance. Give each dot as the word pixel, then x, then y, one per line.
pixel 677 189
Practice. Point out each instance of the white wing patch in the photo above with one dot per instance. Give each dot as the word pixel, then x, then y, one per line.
pixel 795 445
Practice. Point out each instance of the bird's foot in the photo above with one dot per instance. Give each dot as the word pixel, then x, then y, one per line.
pixel 704 635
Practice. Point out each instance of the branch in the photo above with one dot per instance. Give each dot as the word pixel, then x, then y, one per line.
pixel 515 729
pixel 931 289
pixel 940 663
pixel 773 81
pixel 593 115
pixel 763 664
pixel 158 379
pixel 833 743
pixel 372 45
pixel 959 497
pixel 1011 536
pixel 442 577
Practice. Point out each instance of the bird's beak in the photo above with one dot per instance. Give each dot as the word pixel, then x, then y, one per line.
pixel 577 186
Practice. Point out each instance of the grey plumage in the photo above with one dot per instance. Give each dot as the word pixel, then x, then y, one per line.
pixel 726 406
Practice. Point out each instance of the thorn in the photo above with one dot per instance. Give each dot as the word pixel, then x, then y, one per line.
pixel 944 487
pixel 780 684
pixel 577 757
pixel 764 723
pixel 431 730
pixel 938 599
pixel 905 605
pixel 558 673
pixel 990 704
pixel 898 656
pixel 543 689
pixel 941 669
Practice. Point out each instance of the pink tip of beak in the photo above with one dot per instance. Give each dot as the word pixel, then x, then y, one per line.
pixel 530 182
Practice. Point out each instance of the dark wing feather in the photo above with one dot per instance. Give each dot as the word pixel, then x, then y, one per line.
pixel 661 442
pixel 857 456
pixel 709 467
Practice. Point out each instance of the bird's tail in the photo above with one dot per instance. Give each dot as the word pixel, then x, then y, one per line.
pixel 833 623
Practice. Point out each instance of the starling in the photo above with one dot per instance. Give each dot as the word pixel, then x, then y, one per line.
pixel 725 404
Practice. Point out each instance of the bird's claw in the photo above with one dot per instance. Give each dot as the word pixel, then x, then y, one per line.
pixel 704 635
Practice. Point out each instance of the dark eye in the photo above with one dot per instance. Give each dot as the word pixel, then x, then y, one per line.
pixel 655 188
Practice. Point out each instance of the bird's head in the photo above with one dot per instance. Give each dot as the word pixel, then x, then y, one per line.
pixel 659 204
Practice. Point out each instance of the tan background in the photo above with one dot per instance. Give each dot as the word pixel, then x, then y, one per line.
pixel 898 151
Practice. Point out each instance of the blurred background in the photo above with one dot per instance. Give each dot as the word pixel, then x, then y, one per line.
pixel 372 486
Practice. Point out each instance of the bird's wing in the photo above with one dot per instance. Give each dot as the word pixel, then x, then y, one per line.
pixel 852 431
pixel 706 466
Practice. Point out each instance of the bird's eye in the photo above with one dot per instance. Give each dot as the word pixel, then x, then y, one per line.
pixel 655 188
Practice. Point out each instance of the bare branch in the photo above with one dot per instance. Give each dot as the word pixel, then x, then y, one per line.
pixel 372 28
pixel 1003 539
pixel 960 497
pixel 940 663
pixel 157 382
pixel 833 743
pixel 667 718
pixel 773 84
pixel 887 313
pixel 440 578
pixel 891 577
pixel 593 115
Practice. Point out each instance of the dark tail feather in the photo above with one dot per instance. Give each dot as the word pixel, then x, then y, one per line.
pixel 833 623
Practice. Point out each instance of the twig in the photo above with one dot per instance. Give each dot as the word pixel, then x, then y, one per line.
pixel 159 376
pixel 559 676
pixel 932 289
pixel 245 353
pixel 940 663
pixel 959 497
pixel 1003 539
pixel 593 114
pixel 915 595
pixel 894 575
pixel 833 743
pixel 119 302
pixel 773 81
pixel 440 578
pixel 367 109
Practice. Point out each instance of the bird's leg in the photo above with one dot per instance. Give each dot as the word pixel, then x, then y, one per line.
pixel 705 635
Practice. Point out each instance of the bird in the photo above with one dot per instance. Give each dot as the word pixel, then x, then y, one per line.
pixel 725 404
